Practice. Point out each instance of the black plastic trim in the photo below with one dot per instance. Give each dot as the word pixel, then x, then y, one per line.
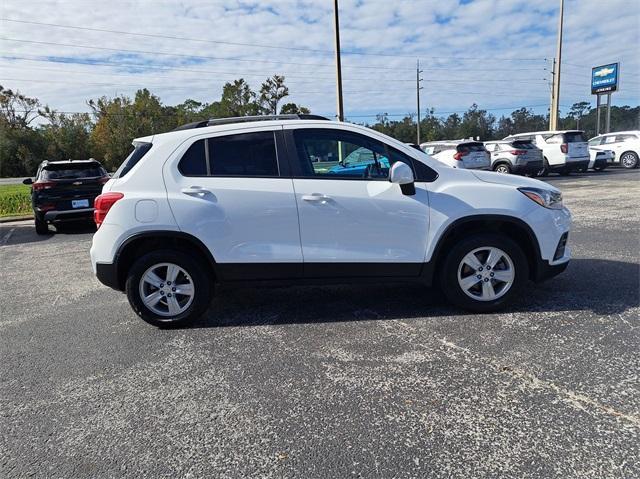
pixel 107 274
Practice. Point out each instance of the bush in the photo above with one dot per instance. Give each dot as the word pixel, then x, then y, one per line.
pixel 15 200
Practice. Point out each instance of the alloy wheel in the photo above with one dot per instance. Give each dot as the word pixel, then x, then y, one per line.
pixel 486 273
pixel 166 289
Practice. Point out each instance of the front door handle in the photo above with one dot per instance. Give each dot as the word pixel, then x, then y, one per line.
pixel 319 197
pixel 194 191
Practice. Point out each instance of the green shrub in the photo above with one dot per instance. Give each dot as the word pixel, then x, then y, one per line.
pixel 15 200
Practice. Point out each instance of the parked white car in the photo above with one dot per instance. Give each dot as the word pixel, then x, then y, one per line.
pixel 563 151
pixel 242 200
pixel 599 159
pixel 624 144
pixel 467 154
pixel 520 157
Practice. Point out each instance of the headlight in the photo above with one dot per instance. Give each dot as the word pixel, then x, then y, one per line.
pixel 547 198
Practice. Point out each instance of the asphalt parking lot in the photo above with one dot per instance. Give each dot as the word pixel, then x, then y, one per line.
pixel 367 381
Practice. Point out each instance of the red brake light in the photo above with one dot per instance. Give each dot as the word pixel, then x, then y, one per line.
pixel 518 152
pixel 43 185
pixel 564 148
pixel 103 204
pixel 458 156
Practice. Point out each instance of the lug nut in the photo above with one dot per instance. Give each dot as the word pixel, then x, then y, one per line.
pixel 485 280
pixel 169 295
pixel 488 268
pixel 169 283
pixel 173 289
pixel 480 269
pixel 492 275
pixel 479 276
pixel 161 293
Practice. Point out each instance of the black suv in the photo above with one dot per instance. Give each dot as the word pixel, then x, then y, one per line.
pixel 65 190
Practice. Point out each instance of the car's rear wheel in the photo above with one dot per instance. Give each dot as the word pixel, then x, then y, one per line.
pixel 484 272
pixel 502 168
pixel 599 167
pixel 629 159
pixel 41 226
pixel 545 168
pixel 168 288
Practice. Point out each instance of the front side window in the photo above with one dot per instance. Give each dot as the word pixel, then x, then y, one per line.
pixel 339 154
pixel 595 141
pixel 609 139
pixel 491 147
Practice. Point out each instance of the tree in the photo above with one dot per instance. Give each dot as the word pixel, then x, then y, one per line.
pixel 67 136
pixel 237 100
pixel 477 123
pixel 292 108
pixel 271 92
pixel 578 110
pixel 16 109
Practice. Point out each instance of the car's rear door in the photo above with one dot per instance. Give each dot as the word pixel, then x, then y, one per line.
pixel 355 226
pixel 577 147
pixel 233 192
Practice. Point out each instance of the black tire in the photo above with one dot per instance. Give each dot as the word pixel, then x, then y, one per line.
pixel 449 271
pixel 629 160
pixel 202 286
pixel 600 167
pixel 504 167
pixel 545 168
pixel 41 226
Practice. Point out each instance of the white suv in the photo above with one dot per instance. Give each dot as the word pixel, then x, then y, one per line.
pixel 564 151
pixel 272 199
pixel 625 146
pixel 468 154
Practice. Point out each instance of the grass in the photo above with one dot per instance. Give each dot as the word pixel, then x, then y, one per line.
pixel 15 200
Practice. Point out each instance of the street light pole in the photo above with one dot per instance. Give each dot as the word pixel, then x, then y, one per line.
pixel 555 109
pixel 418 88
pixel 336 22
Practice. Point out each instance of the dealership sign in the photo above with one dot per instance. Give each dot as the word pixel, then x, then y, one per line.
pixel 605 78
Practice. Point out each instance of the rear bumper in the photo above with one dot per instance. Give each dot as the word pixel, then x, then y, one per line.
pixel 530 167
pixel 68 215
pixel 107 274
pixel 571 166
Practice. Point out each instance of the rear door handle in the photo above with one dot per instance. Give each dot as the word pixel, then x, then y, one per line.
pixel 319 197
pixel 194 191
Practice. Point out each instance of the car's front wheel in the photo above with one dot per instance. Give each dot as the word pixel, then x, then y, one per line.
pixel 629 159
pixel 168 288
pixel 484 272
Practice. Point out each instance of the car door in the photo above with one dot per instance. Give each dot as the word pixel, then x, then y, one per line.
pixel 355 225
pixel 233 192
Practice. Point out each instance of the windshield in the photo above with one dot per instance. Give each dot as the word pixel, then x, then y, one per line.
pixel 68 172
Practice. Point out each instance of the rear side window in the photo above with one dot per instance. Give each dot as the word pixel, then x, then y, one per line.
pixel 194 161
pixel 625 137
pixel 574 137
pixel 247 154
pixel 134 157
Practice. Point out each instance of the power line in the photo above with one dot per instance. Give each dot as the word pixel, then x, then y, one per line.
pixel 226 42
pixel 203 57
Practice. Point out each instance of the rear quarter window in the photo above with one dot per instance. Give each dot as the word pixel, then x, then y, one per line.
pixel 134 157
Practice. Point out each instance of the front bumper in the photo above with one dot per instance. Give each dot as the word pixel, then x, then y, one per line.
pixel 545 271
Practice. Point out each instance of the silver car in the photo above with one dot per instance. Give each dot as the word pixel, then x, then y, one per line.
pixel 515 156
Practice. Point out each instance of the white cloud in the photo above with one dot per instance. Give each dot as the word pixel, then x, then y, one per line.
pixel 457 45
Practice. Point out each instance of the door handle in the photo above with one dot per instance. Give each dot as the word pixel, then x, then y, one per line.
pixel 316 197
pixel 195 190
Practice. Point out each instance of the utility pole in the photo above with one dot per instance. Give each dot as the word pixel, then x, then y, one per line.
pixel 338 65
pixel 418 88
pixel 553 124
pixel 552 115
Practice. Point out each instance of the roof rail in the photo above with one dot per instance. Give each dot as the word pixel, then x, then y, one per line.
pixel 246 119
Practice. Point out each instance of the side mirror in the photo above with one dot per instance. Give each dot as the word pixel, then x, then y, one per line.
pixel 27 181
pixel 402 174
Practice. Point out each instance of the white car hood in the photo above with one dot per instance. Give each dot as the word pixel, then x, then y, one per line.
pixel 512 180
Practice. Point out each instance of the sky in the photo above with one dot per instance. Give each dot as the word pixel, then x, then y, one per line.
pixel 497 54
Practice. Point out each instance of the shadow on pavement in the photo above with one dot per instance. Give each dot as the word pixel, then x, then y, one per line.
pixel 25 232
pixel 593 285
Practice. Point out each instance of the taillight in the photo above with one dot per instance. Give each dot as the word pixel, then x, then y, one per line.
pixel 458 156
pixel 103 204
pixel 43 185
pixel 518 152
pixel 564 148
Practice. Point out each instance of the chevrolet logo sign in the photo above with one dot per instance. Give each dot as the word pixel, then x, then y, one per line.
pixel 76 183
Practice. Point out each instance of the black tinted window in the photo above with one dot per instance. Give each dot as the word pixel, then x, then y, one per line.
pixel 470 147
pixel 247 154
pixel 574 137
pixel 194 161
pixel 69 172
pixel 134 157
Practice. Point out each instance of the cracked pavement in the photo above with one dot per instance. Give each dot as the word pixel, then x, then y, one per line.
pixel 366 381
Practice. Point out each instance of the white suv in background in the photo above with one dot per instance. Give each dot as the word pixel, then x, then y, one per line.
pixel 624 144
pixel 467 154
pixel 563 151
pixel 253 200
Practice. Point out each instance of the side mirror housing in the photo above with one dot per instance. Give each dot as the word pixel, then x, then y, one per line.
pixel 27 181
pixel 402 174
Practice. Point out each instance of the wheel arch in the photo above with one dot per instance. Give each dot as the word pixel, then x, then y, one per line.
pixel 514 228
pixel 144 242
